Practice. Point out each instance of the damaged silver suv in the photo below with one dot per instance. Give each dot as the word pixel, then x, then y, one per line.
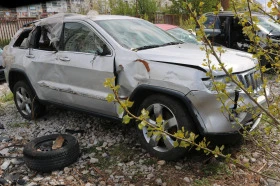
pixel 65 59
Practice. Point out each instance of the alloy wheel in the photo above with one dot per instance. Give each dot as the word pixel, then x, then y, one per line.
pixel 23 101
pixel 162 143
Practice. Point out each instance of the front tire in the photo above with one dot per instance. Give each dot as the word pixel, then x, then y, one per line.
pixel 176 116
pixel 26 102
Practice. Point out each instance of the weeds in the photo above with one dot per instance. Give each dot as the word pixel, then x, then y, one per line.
pixel 4 43
pixel 187 24
pixel 271 173
pixel 201 182
pixel 7 97
pixel 19 125
pixel 150 161
pixel 216 169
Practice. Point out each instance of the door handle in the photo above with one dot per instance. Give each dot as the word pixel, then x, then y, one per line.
pixel 30 56
pixel 64 59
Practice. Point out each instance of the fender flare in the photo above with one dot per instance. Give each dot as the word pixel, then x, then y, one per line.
pixel 25 77
pixel 144 90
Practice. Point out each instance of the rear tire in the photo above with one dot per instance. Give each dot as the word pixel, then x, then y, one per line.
pixel 26 102
pixel 176 115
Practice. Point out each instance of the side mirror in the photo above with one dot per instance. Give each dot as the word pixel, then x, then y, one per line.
pixel 104 51
pixel 101 52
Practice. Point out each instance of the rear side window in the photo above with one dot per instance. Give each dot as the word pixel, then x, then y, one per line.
pixel 24 35
pixel 44 41
pixel 40 39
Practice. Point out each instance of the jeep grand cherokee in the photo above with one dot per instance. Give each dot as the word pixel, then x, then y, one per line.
pixel 65 59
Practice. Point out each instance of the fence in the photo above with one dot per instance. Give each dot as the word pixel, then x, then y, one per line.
pixel 162 18
pixel 8 27
pixel 173 19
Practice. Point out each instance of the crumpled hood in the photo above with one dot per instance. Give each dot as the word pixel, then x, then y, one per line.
pixel 191 54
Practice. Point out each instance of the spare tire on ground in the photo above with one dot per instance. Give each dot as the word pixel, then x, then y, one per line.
pixel 39 155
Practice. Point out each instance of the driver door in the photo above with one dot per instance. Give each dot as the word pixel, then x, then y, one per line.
pixel 84 62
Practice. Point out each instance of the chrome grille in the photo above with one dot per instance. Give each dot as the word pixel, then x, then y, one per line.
pixel 247 79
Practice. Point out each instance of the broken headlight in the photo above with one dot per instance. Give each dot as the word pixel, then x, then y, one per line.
pixel 219 82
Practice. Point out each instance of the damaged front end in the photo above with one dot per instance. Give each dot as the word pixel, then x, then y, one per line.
pixel 235 111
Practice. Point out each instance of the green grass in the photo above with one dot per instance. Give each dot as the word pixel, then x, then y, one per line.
pixel 118 153
pixel 125 154
pixel 216 169
pixel 150 161
pixel 2 112
pixel 4 43
pixel 271 173
pixel 7 97
pixel 19 125
pixel 201 182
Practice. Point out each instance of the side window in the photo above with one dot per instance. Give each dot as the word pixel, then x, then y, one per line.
pixel 40 39
pixel 44 41
pixel 79 38
pixel 22 39
pixel 212 22
pixel 34 40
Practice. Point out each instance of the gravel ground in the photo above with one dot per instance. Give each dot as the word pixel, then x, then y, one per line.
pixel 110 155
pixel 3 88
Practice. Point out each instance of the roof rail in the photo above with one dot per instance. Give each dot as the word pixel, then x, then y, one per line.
pixel 55 16
pixel 232 13
pixel 30 23
pixel 221 12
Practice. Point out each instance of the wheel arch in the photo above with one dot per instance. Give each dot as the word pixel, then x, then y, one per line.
pixel 143 91
pixel 16 75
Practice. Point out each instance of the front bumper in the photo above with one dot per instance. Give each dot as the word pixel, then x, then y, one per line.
pixel 214 120
pixel 232 137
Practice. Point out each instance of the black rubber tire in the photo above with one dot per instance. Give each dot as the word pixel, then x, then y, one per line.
pixel 38 109
pixel 183 120
pixel 47 161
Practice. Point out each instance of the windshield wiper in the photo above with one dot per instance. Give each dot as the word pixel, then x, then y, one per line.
pixel 155 46
pixel 173 43
pixel 270 32
pixel 147 47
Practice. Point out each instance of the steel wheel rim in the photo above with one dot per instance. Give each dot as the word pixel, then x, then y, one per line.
pixel 46 145
pixel 165 143
pixel 23 101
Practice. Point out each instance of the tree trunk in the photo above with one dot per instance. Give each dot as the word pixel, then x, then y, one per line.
pixel 225 4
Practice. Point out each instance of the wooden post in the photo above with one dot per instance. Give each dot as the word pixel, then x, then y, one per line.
pixel 225 4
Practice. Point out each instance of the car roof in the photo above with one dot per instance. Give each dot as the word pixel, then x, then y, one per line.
pixel 166 26
pixel 60 17
pixel 73 16
pixel 230 13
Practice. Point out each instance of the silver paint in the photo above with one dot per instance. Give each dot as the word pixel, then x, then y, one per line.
pixel 78 81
